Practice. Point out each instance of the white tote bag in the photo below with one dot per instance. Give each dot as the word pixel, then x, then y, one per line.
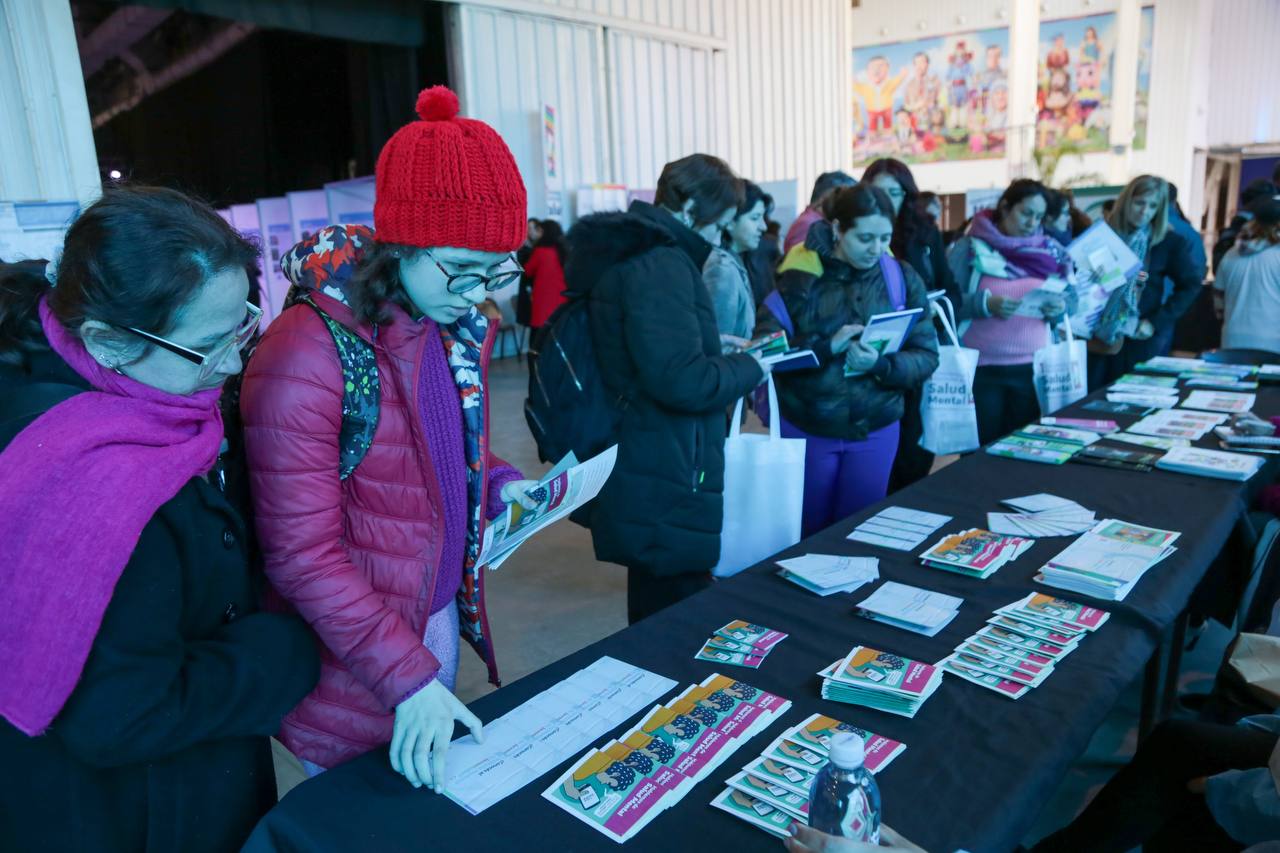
pixel 946 400
pixel 763 493
pixel 1061 373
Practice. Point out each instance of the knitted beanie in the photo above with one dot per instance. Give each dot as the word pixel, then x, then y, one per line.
pixel 448 181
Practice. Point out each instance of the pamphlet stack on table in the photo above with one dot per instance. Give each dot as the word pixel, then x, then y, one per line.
pixel 619 788
pixel 1178 423
pixel 1102 427
pixel 1151 398
pixel 1218 381
pixel 1114 457
pixel 974 553
pixel 772 791
pixel 1035 449
pixel 910 608
pixel 1041 516
pixel 1210 463
pixel 1230 439
pixel 1115 408
pixel 1109 560
pixel 1155 442
pixel 1172 364
pixel 1220 401
pixel 740 643
pixel 880 680
pixel 898 528
pixel 826 574
pixel 1021 642
pixel 1144 385
pixel 529 740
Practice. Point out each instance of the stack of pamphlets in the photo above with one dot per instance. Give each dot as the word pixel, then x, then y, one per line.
pixel 1233 440
pixel 1170 364
pixel 1103 427
pixel 1109 560
pixel 740 643
pixel 1269 372
pixel 619 788
pixel 828 573
pixel 1115 408
pixel 772 791
pixel 1220 401
pixel 898 528
pixel 1064 434
pixel 1027 449
pixel 1219 381
pixel 876 679
pixel 1021 642
pixel 1210 463
pixel 1041 516
pixel 547 730
pixel 1178 423
pixel 1157 392
pixel 1154 441
pixel 974 553
pixel 1113 457
pixel 920 611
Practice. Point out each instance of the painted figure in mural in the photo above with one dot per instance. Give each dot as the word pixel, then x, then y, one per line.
pixel 904 131
pixel 877 94
pixel 922 91
pixel 959 75
pixel 1091 48
pixel 990 75
pixel 997 114
pixel 1059 57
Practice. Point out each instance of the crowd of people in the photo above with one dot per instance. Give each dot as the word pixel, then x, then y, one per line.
pixel 202 548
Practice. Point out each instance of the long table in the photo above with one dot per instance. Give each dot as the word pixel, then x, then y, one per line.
pixel 978 766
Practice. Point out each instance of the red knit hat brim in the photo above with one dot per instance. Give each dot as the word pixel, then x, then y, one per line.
pixel 463 223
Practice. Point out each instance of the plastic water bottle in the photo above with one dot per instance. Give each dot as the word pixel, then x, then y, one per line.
pixel 844 799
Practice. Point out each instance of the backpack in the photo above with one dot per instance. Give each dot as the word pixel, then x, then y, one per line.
pixel 568 407
pixel 361 390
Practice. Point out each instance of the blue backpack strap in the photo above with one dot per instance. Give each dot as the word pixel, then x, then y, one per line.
pixel 779 310
pixel 894 281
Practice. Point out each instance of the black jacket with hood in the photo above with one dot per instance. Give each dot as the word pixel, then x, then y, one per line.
pixel 656 342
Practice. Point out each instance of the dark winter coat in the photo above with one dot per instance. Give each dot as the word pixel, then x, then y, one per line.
pixel 928 258
pixel 654 333
pixel 1173 258
pixel 823 294
pixel 162 746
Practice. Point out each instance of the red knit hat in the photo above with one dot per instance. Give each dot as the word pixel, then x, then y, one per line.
pixel 449 181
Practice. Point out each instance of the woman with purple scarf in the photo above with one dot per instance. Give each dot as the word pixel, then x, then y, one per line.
pixel 1003 258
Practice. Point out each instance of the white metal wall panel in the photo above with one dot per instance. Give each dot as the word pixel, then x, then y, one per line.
pixel 1245 67
pixel 513 64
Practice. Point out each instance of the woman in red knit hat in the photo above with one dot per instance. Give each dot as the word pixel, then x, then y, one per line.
pixel 366 425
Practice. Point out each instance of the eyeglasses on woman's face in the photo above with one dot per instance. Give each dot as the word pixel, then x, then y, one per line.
pixel 209 361
pixel 462 282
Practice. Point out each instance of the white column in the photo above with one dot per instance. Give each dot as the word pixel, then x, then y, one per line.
pixel 1124 90
pixel 45 134
pixel 1024 48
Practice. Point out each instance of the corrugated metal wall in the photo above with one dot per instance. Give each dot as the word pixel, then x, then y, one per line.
pixel 1244 106
pixel 762 83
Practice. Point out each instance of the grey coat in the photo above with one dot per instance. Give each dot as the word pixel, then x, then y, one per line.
pixel 731 295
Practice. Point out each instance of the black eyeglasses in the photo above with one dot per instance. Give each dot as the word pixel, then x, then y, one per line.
pixel 462 282
pixel 209 361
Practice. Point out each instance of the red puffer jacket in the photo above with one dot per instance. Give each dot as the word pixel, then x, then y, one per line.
pixel 354 556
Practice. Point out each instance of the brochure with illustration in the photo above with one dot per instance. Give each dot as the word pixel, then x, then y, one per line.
pixel 1012 450
pixel 775 795
pixel 809 742
pixel 1068 435
pixel 1091 424
pixel 885 333
pixel 758 813
pixel 773 343
pixel 1220 401
pixel 976 553
pixel 880 680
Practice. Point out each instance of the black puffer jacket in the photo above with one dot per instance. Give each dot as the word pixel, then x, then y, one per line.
pixel 654 332
pixel 822 294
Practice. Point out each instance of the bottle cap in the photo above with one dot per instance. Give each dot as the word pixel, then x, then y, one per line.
pixel 847 751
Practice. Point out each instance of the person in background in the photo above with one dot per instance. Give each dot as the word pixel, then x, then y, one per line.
pixel 847 409
pixel 1004 256
pixel 524 293
pixel 141 680
pixel 1141 217
pixel 930 206
pixel 658 348
pixel 826 182
pixel 726 275
pixel 918 242
pixel 373 536
pixel 762 262
pixel 1256 190
pixel 533 233
pixel 1249 282
pixel 1057 216
pixel 545 269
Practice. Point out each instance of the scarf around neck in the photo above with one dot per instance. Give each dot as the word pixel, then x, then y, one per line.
pixel 1038 256
pixel 77 486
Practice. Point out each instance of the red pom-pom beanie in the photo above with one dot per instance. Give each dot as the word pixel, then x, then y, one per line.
pixel 449 181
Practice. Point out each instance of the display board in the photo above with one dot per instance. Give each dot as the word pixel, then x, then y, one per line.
pixel 244 218
pixel 277 238
pixel 351 202
pixel 31 230
pixel 308 212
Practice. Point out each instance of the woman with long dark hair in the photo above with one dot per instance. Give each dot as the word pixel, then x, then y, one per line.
pixel 545 268
pixel 141 682
pixel 918 242
pixel 725 272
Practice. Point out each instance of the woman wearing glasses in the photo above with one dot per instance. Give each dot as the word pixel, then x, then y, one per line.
pixel 380 556
pixel 140 685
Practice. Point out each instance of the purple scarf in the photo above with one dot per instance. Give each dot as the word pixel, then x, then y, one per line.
pixel 1039 256
pixel 78 486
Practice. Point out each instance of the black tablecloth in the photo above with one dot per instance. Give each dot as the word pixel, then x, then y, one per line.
pixel 978 766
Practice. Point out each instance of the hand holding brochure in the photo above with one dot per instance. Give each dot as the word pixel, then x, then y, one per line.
pixel 885 333
pixel 567 486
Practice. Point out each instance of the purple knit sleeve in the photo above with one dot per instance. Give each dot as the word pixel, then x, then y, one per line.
pixel 499 476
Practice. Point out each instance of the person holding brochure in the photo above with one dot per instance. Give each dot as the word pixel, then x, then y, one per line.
pixel 726 275
pixel 1004 259
pixel 373 533
pixel 1141 217
pixel 848 408
pixel 657 346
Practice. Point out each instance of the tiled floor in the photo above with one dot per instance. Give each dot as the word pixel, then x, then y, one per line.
pixel 552 598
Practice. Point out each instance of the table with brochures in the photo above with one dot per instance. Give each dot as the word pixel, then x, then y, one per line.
pixel 977 766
